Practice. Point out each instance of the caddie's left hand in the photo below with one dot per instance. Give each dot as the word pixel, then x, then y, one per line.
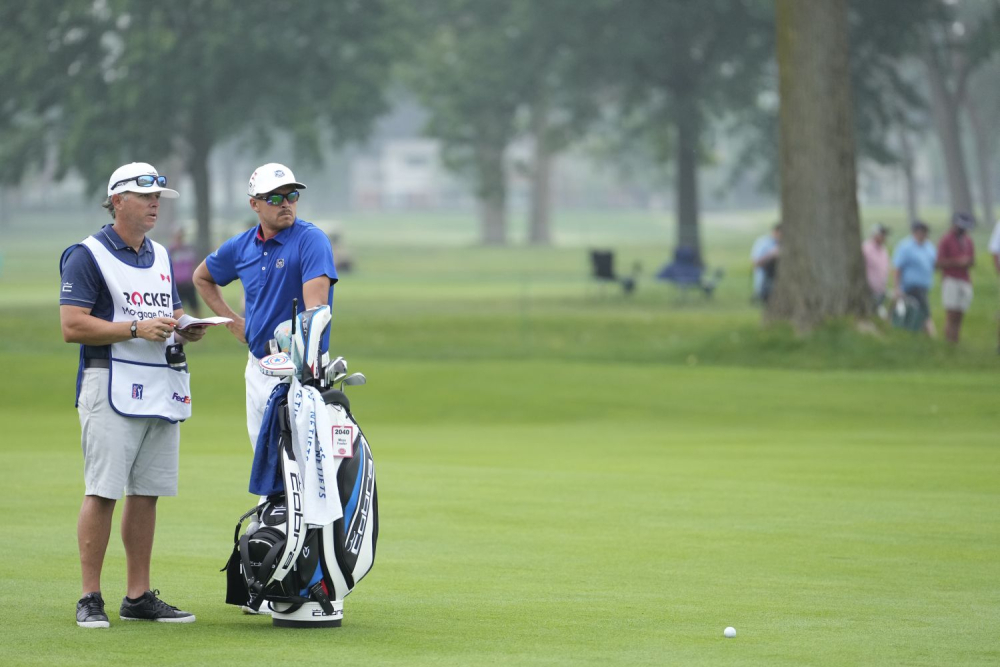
pixel 191 334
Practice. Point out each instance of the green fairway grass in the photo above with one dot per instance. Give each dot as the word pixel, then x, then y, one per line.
pixel 566 477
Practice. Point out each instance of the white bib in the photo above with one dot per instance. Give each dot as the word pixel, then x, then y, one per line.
pixel 142 383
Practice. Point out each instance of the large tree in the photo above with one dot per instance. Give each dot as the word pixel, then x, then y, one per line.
pixel 956 45
pixel 680 66
pixel 983 109
pixel 890 105
pixel 567 68
pixel 177 79
pixel 492 73
pixel 462 75
pixel 40 50
pixel 821 271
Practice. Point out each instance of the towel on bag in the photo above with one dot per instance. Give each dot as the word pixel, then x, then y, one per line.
pixel 312 442
pixel 265 474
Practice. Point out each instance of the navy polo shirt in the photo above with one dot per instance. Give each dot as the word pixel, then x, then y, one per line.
pixel 272 273
pixel 83 283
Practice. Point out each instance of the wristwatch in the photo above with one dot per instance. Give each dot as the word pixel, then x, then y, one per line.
pixel 134 328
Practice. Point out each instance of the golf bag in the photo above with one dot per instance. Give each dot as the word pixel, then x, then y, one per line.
pixel 304 571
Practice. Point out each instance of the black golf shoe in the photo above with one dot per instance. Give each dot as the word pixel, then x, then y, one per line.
pixel 151 608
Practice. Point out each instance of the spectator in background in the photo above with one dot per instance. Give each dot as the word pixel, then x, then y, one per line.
pixel 955 256
pixel 764 256
pixel 913 261
pixel 185 259
pixel 876 256
pixel 995 251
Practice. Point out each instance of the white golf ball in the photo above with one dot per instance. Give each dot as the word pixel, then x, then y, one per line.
pixel 729 632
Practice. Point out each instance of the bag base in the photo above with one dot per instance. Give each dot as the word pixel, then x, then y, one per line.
pixel 308 615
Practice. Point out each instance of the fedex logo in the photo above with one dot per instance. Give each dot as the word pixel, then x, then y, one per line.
pixel 181 399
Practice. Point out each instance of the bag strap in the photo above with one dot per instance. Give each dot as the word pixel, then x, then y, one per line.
pixel 239 524
pixel 255 586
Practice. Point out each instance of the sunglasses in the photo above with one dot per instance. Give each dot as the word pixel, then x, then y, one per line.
pixel 276 199
pixel 144 181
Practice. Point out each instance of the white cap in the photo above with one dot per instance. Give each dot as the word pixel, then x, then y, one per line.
pixel 123 180
pixel 269 177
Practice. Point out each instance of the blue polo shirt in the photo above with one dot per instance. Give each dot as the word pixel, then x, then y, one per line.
pixel 83 283
pixel 915 262
pixel 272 273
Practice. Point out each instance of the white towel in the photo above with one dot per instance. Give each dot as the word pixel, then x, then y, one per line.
pixel 312 442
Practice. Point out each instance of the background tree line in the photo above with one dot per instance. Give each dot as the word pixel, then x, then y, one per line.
pixel 95 83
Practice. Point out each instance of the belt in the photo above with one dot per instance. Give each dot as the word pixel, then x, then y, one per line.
pixel 97 363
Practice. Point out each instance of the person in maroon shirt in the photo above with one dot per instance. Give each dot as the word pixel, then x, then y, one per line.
pixel 956 255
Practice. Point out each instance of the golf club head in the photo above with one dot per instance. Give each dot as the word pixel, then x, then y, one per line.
pixel 277 365
pixel 340 365
pixel 337 378
pixel 355 379
pixel 334 368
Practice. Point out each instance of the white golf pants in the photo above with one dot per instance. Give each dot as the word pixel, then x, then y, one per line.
pixel 259 388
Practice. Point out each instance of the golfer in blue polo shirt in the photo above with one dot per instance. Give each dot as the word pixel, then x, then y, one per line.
pixel 280 259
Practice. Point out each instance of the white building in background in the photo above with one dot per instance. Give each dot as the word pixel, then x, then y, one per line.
pixel 404 173
pixel 411 173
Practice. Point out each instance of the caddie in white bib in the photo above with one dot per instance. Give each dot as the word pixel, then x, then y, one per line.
pixel 142 383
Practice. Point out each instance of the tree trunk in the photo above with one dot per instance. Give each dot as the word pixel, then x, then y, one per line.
pixel 688 126
pixel 539 227
pixel 945 108
pixel 230 180
pixel 168 221
pixel 493 221
pixel 198 168
pixel 821 272
pixel 983 151
pixel 908 166
pixel 492 195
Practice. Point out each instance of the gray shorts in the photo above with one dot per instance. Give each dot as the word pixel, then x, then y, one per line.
pixel 137 455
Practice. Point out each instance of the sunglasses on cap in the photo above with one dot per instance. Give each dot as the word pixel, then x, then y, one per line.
pixel 275 199
pixel 144 181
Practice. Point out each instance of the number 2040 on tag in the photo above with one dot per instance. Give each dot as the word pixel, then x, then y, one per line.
pixel 343 441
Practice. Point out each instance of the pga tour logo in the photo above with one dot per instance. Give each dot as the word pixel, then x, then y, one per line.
pixel 137 392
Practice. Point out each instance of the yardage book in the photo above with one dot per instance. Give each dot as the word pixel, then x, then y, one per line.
pixel 187 321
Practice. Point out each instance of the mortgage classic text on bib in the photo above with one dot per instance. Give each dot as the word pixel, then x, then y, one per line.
pixel 142 383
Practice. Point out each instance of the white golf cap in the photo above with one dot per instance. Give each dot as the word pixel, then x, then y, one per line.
pixel 124 180
pixel 271 176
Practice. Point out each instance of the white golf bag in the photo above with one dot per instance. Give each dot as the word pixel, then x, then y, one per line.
pixel 304 571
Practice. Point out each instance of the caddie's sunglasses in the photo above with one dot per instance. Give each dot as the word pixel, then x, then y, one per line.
pixel 144 181
pixel 276 199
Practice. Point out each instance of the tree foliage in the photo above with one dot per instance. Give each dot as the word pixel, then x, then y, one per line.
pixel 146 81
pixel 482 68
pixel 676 68
pixel 883 36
